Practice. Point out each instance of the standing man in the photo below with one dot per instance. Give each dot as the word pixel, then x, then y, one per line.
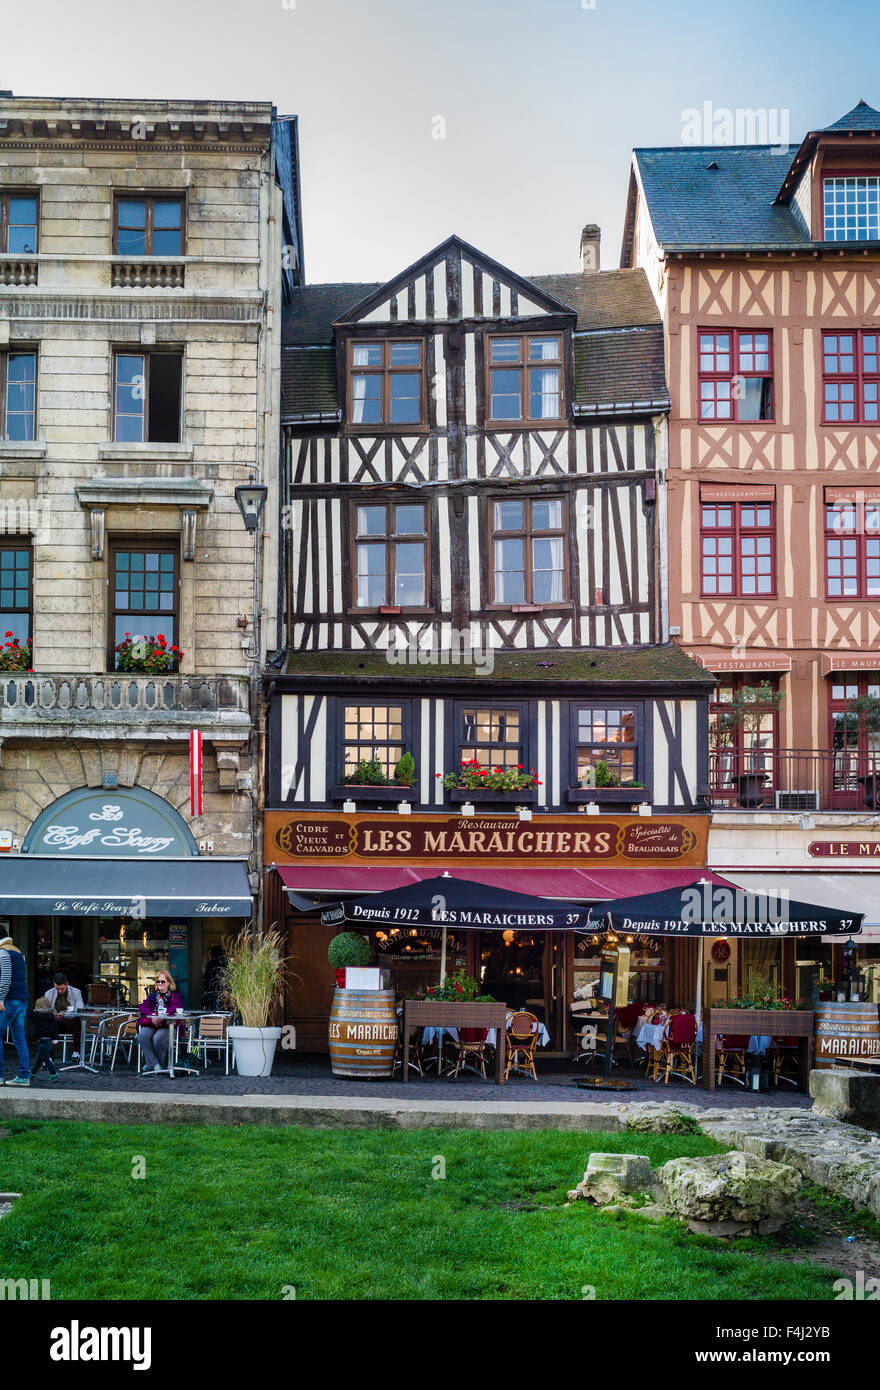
pixel 13 1007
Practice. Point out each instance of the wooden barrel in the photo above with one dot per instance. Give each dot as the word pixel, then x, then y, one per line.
pixel 845 1033
pixel 363 1032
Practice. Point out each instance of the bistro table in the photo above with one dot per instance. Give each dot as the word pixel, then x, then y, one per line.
pixel 90 1014
pixel 182 1016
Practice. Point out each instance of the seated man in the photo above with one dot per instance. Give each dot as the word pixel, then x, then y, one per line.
pixel 65 998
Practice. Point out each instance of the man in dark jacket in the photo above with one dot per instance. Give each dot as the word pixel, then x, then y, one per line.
pixel 46 1030
pixel 13 1007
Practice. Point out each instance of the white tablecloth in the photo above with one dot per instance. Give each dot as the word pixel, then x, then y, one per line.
pixel 429 1035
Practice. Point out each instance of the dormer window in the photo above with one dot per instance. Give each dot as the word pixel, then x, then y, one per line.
pixel 852 207
pixel 525 378
pixel 386 383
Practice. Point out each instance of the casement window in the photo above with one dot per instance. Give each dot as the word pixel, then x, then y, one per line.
pixel 391 554
pixel 524 378
pixel 15 591
pixel 735 375
pixel 856 749
pixel 386 382
pixel 372 732
pixel 851 206
pixel 148 226
pixel 528 550
pixel 18 395
pixel 852 548
pixel 144 592
pixel 147 397
pixel 491 737
pixel 735 749
pixel 18 224
pixel 851 377
pixel 607 734
pixel 737 548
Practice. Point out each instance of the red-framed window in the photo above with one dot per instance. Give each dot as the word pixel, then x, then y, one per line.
pixel 852 548
pixel 851 377
pixel 735 375
pixel 738 549
pixel 856 750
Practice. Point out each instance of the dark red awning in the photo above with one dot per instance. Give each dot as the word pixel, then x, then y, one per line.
pixel 595 885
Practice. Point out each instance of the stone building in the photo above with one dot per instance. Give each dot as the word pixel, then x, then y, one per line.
pixel 145 251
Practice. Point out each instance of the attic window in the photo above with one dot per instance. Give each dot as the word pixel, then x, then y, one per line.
pixel 852 208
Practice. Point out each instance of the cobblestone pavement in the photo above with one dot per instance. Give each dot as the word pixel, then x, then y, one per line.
pixel 310 1075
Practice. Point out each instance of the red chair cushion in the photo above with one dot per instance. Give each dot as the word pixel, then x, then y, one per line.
pixel 474 1035
pixel 683 1030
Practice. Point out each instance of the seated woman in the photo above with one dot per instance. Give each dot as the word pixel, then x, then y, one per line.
pixel 154 1033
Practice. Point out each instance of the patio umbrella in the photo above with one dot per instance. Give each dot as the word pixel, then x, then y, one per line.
pixel 719 909
pixel 458 902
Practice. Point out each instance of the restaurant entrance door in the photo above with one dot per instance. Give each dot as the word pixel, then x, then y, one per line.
pixel 528 971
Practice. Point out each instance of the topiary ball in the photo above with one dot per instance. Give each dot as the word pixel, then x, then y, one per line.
pixel 348 948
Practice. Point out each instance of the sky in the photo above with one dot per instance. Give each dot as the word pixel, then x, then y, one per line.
pixel 510 122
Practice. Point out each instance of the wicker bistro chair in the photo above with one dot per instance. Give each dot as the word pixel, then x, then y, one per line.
pixel 415 1049
pixel 212 1036
pixel 680 1047
pixel 732 1049
pixel 522 1038
pixel 785 1051
pixel 471 1043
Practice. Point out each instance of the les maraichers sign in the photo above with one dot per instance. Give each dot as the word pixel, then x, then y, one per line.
pixel 502 839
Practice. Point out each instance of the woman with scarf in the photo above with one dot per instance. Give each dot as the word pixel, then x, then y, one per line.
pixel 154 1033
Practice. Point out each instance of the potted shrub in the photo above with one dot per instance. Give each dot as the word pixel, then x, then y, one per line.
pixel 601 783
pixel 404 773
pixel 369 782
pixel 866 711
pixel 253 982
pixel 348 948
pixel 146 656
pixel 745 712
pixel 474 782
pixel 15 655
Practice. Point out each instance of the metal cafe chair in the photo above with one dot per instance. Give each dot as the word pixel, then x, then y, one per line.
pixel 104 1038
pixel 415 1050
pixel 732 1049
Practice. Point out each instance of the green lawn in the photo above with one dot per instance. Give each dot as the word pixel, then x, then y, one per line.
pixel 248 1212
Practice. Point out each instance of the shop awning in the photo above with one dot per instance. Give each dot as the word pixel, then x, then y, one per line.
pixel 704 909
pixel 308 884
pixel 854 893
pixel 34 885
pixel 457 902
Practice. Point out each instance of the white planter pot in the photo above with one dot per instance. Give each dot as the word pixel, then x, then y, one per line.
pixel 254 1049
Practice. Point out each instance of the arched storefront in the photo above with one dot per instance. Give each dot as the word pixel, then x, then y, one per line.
pixel 110 888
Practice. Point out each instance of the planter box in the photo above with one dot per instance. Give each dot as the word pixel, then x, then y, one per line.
pixel 360 793
pixel 773 1023
pixel 608 796
pixel 524 797
pixel 420 1013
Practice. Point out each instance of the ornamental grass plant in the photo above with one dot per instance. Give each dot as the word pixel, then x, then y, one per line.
pixel 253 977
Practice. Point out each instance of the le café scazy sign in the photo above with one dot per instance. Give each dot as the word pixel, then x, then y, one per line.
pixel 499 839
pixel 132 823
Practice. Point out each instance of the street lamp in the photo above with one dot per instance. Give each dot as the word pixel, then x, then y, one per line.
pixel 250 498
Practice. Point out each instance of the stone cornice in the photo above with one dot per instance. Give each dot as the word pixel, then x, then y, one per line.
pixel 184 306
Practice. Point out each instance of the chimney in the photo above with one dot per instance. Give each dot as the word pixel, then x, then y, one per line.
pixel 590 239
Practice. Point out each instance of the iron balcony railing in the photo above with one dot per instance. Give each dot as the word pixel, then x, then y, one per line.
pixel 795 779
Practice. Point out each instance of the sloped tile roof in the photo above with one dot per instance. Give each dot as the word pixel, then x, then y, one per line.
pixel 308 381
pixel 667 664
pixel 620 368
pixel 862 117
pixel 313 309
pixel 692 203
pixel 604 298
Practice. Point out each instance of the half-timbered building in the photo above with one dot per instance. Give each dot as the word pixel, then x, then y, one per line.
pixel 765 265
pixel 473 471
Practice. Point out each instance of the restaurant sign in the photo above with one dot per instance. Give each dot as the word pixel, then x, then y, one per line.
pixel 500 839
pixel 127 824
pixel 844 849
